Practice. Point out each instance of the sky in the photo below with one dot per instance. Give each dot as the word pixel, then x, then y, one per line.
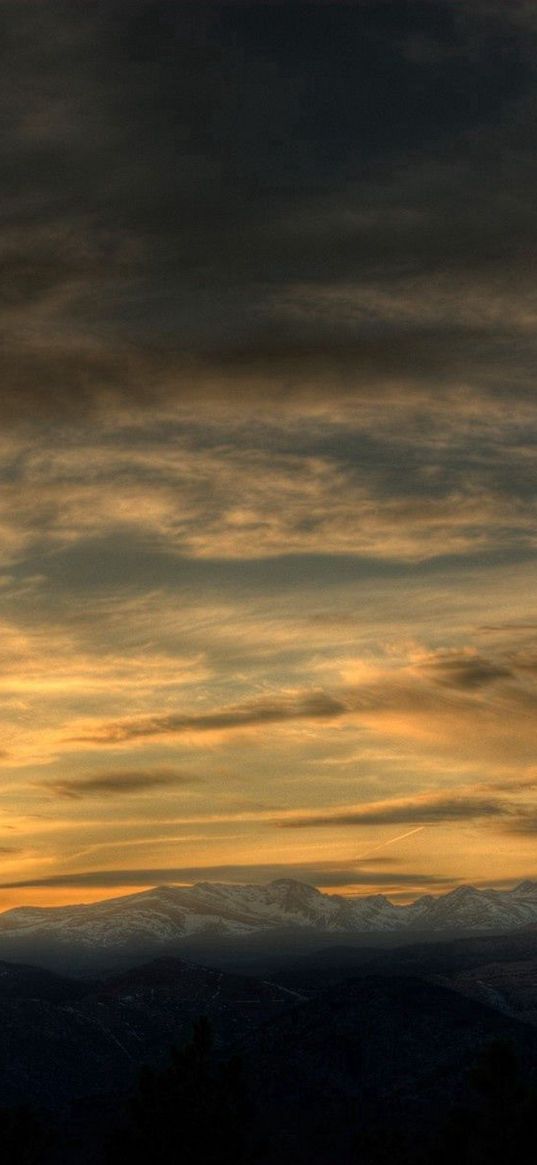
pixel 267 445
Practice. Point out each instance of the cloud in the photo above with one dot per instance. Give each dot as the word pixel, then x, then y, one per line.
pixel 463 670
pixel 325 874
pixel 280 709
pixel 268 314
pixel 221 496
pixel 382 861
pixel 525 781
pixel 524 824
pixel 163 141
pixel 440 699
pixel 427 810
pixel 118 783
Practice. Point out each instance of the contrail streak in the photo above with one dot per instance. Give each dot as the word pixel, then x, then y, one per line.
pixel 391 841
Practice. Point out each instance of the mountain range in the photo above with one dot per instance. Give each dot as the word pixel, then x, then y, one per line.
pixel 174 914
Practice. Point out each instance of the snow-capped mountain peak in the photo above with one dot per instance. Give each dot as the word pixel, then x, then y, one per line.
pixel 170 914
pixel 526 887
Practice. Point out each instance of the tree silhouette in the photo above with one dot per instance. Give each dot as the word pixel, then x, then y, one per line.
pixel 194 1112
pixel 503 1125
pixel 499 1126
pixel 24 1138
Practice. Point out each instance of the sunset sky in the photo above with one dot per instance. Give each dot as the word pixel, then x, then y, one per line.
pixel 268 430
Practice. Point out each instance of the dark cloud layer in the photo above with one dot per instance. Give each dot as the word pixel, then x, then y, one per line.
pixel 275 710
pixel 465 672
pixel 118 783
pixel 426 811
pixel 323 874
pixel 173 173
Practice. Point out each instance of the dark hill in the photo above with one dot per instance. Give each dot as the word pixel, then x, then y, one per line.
pixel 60 1041
pixel 318 970
pixel 22 981
pixel 371 1050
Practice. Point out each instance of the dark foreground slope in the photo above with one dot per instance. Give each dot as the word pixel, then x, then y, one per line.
pixel 376 1053
pixel 369 1053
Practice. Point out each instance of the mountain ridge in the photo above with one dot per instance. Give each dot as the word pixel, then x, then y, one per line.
pixel 171 913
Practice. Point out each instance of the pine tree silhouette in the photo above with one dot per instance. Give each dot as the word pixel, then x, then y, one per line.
pixel 503 1125
pixel 24 1138
pixel 194 1112
pixel 500 1125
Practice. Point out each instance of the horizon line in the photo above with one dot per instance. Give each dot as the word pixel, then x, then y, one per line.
pixel 505 885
